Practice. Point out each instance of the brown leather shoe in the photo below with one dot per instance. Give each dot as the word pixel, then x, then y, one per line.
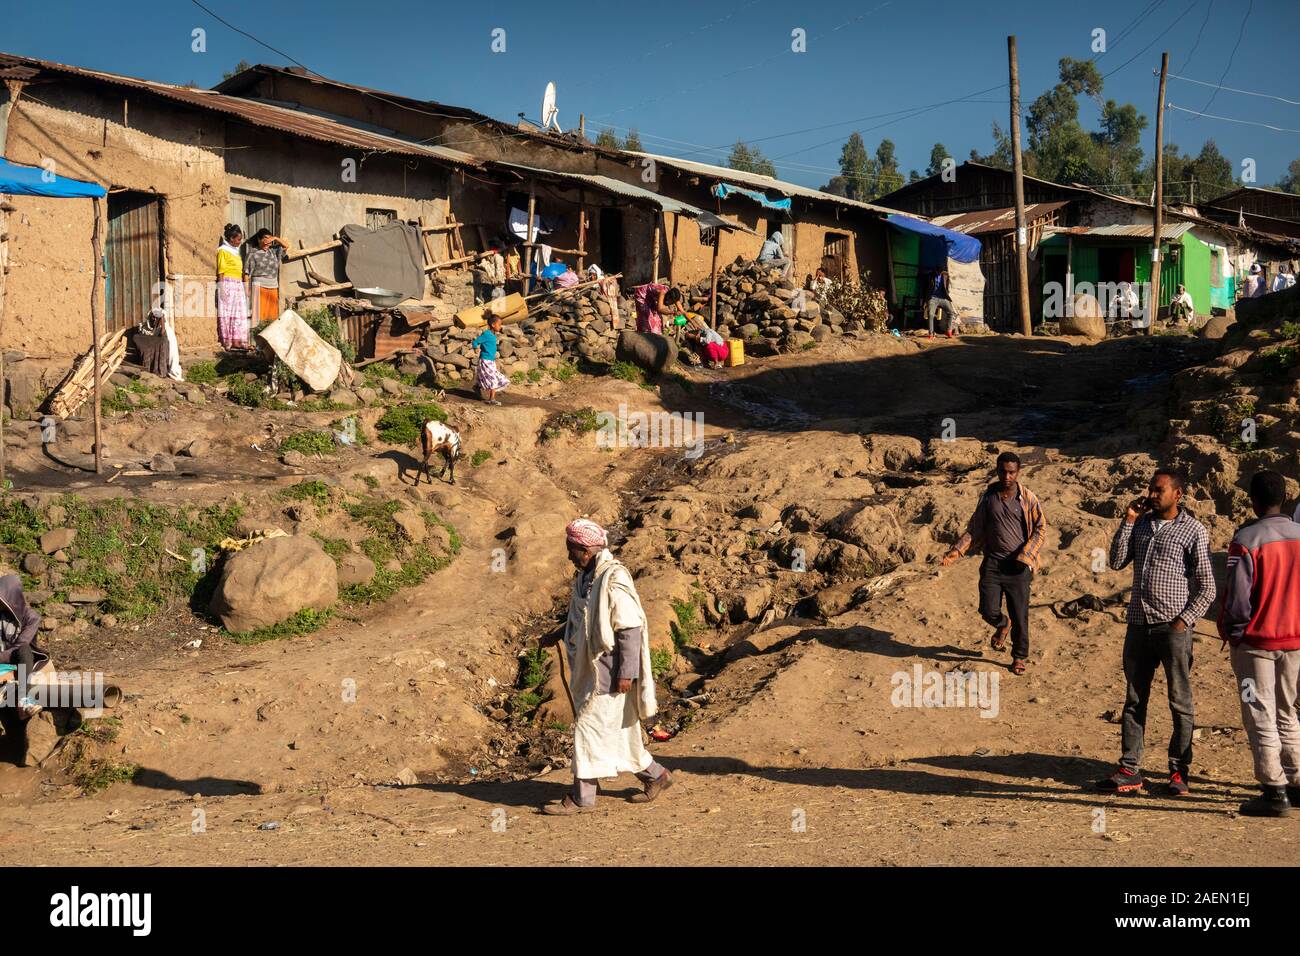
pixel 565 808
pixel 652 789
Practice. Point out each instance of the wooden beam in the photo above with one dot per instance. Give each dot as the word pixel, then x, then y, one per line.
pixel 97 254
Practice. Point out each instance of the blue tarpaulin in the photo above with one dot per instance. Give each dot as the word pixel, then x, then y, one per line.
pixel 957 245
pixel 35 181
pixel 723 190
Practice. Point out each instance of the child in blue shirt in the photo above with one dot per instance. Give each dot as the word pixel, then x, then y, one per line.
pixel 490 380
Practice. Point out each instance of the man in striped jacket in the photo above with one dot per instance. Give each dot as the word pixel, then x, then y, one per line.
pixel 1008 527
pixel 1260 619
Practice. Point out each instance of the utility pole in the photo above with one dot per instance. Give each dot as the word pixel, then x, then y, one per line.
pixel 1022 236
pixel 1158 201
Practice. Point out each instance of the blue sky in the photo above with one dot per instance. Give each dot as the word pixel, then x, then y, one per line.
pixel 695 76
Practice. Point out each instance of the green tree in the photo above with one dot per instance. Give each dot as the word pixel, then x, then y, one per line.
pixel 1118 148
pixel 1058 148
pixel 888 178
pixel 938 153
pixel 240 67
pixel 633 142
pixel 750 159
pixel 857 171
pixel 608 139
pixel 1290 183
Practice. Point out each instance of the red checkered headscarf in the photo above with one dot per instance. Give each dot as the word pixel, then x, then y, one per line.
pixel 586 534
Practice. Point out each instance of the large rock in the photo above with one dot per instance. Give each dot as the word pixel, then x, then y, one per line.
pixel 651 352
pixel 411 524
pixel 355 568
pixel 274 580
pixel 1087 319
pixel 1217 326
pixel 57 539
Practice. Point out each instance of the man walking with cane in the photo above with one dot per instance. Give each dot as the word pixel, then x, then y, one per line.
pixel 607 643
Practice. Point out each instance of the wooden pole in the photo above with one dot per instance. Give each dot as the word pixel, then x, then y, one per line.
pixel 655 270
pixel 1022 238
pixel 1158 201
pixel 4 269
pixel 582 233
pixel 528 239
pixel 672 253
pixel 97 254
pixel 713 274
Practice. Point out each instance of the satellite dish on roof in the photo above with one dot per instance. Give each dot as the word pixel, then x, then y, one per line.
pixel 550 112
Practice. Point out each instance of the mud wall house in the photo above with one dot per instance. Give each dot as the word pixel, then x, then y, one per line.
pixel 848 237
pixel 179 163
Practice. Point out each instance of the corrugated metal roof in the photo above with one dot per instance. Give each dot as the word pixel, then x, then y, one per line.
pixel 1170 230
pixel 995 220
pixel 260 114
pixel 666 203
pixel 762 182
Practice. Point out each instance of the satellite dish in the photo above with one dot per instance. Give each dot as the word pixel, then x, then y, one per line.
pixel 550 112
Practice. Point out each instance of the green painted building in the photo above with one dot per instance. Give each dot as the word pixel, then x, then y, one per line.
pixel 1122 253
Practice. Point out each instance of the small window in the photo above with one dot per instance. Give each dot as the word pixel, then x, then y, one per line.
pixel 375 218
pixel 1216 268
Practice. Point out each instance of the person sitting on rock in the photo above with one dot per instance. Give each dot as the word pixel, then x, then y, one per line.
pixel 773 256
pixel 1181 309
pixel 18 647
pixel 607 642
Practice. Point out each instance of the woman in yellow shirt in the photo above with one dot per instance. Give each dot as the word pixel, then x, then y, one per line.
pixel 232 298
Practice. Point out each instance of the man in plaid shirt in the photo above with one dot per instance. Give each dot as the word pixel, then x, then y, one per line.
pixel 1173 587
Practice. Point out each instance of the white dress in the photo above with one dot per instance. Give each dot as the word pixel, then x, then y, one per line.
pixel 607 735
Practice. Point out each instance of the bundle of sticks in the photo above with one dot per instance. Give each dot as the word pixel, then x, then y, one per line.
pixel 79 384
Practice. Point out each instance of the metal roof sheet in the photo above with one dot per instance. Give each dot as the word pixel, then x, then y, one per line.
pixel 260 113
pixel 762 182
pixel 629 190
pixel 1170 230
pixel 994 220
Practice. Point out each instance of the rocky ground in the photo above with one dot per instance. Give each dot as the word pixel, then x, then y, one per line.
pixel 791 581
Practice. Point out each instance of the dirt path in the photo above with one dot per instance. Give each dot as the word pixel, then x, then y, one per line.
pixel 802 753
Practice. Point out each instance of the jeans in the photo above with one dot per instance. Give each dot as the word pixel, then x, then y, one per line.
pixel 1268 711
pixel 1146 647
pixel 1009 578
pixel 935 306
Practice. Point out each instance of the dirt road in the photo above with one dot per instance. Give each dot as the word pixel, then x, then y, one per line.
pixel 805 752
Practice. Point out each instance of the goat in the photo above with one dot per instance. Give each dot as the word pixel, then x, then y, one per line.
pixel 438 437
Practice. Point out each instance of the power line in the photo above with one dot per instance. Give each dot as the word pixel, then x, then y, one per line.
pixel 254 39
pixel 1229 119
pixel 1241 31
pixel 1125 31
pixel 1232 89
pixel 1172 24
pixel 1208 11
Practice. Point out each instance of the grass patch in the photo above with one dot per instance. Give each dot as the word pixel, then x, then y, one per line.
pixel 304 622
pixel 386 543
pixel 95 775
pixel 400 425
pixel 689 622
pixel 628 372
pixel 479 457
pixel 371 481
pixel 375 373
pixel 310 442
pixel 334 547
pixel 534 668
pixel 316 491
pixel 578 421
pixel 249 394
pixel 661 661
pixel 525 702
pixel 202 373
pixel 1280 359
pixel 123 545
pixel 564 371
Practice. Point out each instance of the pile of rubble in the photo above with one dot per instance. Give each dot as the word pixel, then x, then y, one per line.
pixel 755 302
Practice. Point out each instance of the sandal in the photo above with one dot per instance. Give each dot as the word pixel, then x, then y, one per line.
pixel 1018 666
pixel 999 642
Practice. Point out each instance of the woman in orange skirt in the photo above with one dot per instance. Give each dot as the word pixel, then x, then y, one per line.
pixel 262 270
